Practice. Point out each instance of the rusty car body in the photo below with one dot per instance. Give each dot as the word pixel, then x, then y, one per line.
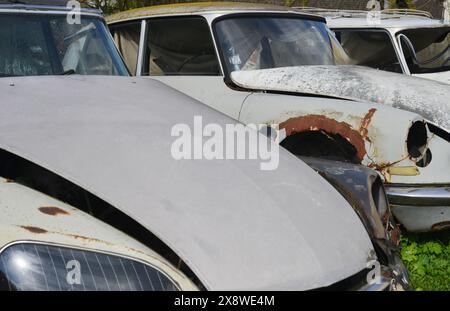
pixel 91 199
pixel 404 41
pixel 223 54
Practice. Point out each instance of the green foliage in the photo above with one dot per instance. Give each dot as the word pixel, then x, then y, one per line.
pixel 427 258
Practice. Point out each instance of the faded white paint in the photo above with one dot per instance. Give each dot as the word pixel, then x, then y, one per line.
pixel 235 226
pixel 399 100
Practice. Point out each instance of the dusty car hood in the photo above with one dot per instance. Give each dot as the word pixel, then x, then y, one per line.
pixel 428 98
pixel 237 227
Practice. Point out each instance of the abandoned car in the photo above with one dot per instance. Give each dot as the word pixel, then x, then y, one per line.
pixel 91 199
pixel 403 41
pixel 273 65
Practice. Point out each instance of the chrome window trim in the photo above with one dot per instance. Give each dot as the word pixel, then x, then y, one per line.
pixel 142 45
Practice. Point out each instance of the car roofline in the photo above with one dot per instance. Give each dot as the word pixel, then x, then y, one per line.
pixel 53 9
pixel 201 9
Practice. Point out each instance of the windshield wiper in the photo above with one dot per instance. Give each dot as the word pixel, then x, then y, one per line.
pixel 67 72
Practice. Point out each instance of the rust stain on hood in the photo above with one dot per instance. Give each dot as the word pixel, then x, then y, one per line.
pixel 35 230
pixel 52 211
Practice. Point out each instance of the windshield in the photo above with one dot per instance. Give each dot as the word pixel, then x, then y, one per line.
pixel 426 50
pixel 32 45
pixel 250 43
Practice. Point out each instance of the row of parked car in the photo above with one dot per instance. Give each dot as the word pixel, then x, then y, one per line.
pixel 91 199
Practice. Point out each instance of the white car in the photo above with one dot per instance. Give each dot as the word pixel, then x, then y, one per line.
pixel 92 199
pixel 403 41
pixel 273 65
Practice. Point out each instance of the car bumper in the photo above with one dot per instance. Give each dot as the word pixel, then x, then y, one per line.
pixel 421 208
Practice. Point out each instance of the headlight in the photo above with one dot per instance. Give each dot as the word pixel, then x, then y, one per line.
pixel 38 267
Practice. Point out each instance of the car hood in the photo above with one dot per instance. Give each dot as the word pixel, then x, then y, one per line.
pixel 430 99
pixel 235 226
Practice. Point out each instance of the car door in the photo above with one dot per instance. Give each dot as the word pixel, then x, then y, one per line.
pixel 180 52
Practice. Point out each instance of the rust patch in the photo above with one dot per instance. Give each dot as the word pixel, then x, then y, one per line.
pixel 136 251
pixel 52 211
pixel 7 180
pixel 36 230
pixel 365 122
pixel 322 123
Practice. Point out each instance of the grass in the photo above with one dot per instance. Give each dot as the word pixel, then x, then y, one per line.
pixel 427 258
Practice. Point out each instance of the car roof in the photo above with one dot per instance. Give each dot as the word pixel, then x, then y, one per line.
pixel 200 8
pixel 396 18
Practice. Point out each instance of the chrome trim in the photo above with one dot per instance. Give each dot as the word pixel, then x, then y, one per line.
pixel 142 47
pixel 419 196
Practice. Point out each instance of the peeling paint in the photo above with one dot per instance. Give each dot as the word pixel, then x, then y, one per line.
pixel 331 126
pixel 322 123
pixel 52 211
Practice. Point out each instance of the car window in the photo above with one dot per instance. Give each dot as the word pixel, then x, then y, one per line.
pixel 370 48
pixel 23 49
pixel 127 39
pixel 252 42
pixel 426 50
pixel 180 46
pixel 32 44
